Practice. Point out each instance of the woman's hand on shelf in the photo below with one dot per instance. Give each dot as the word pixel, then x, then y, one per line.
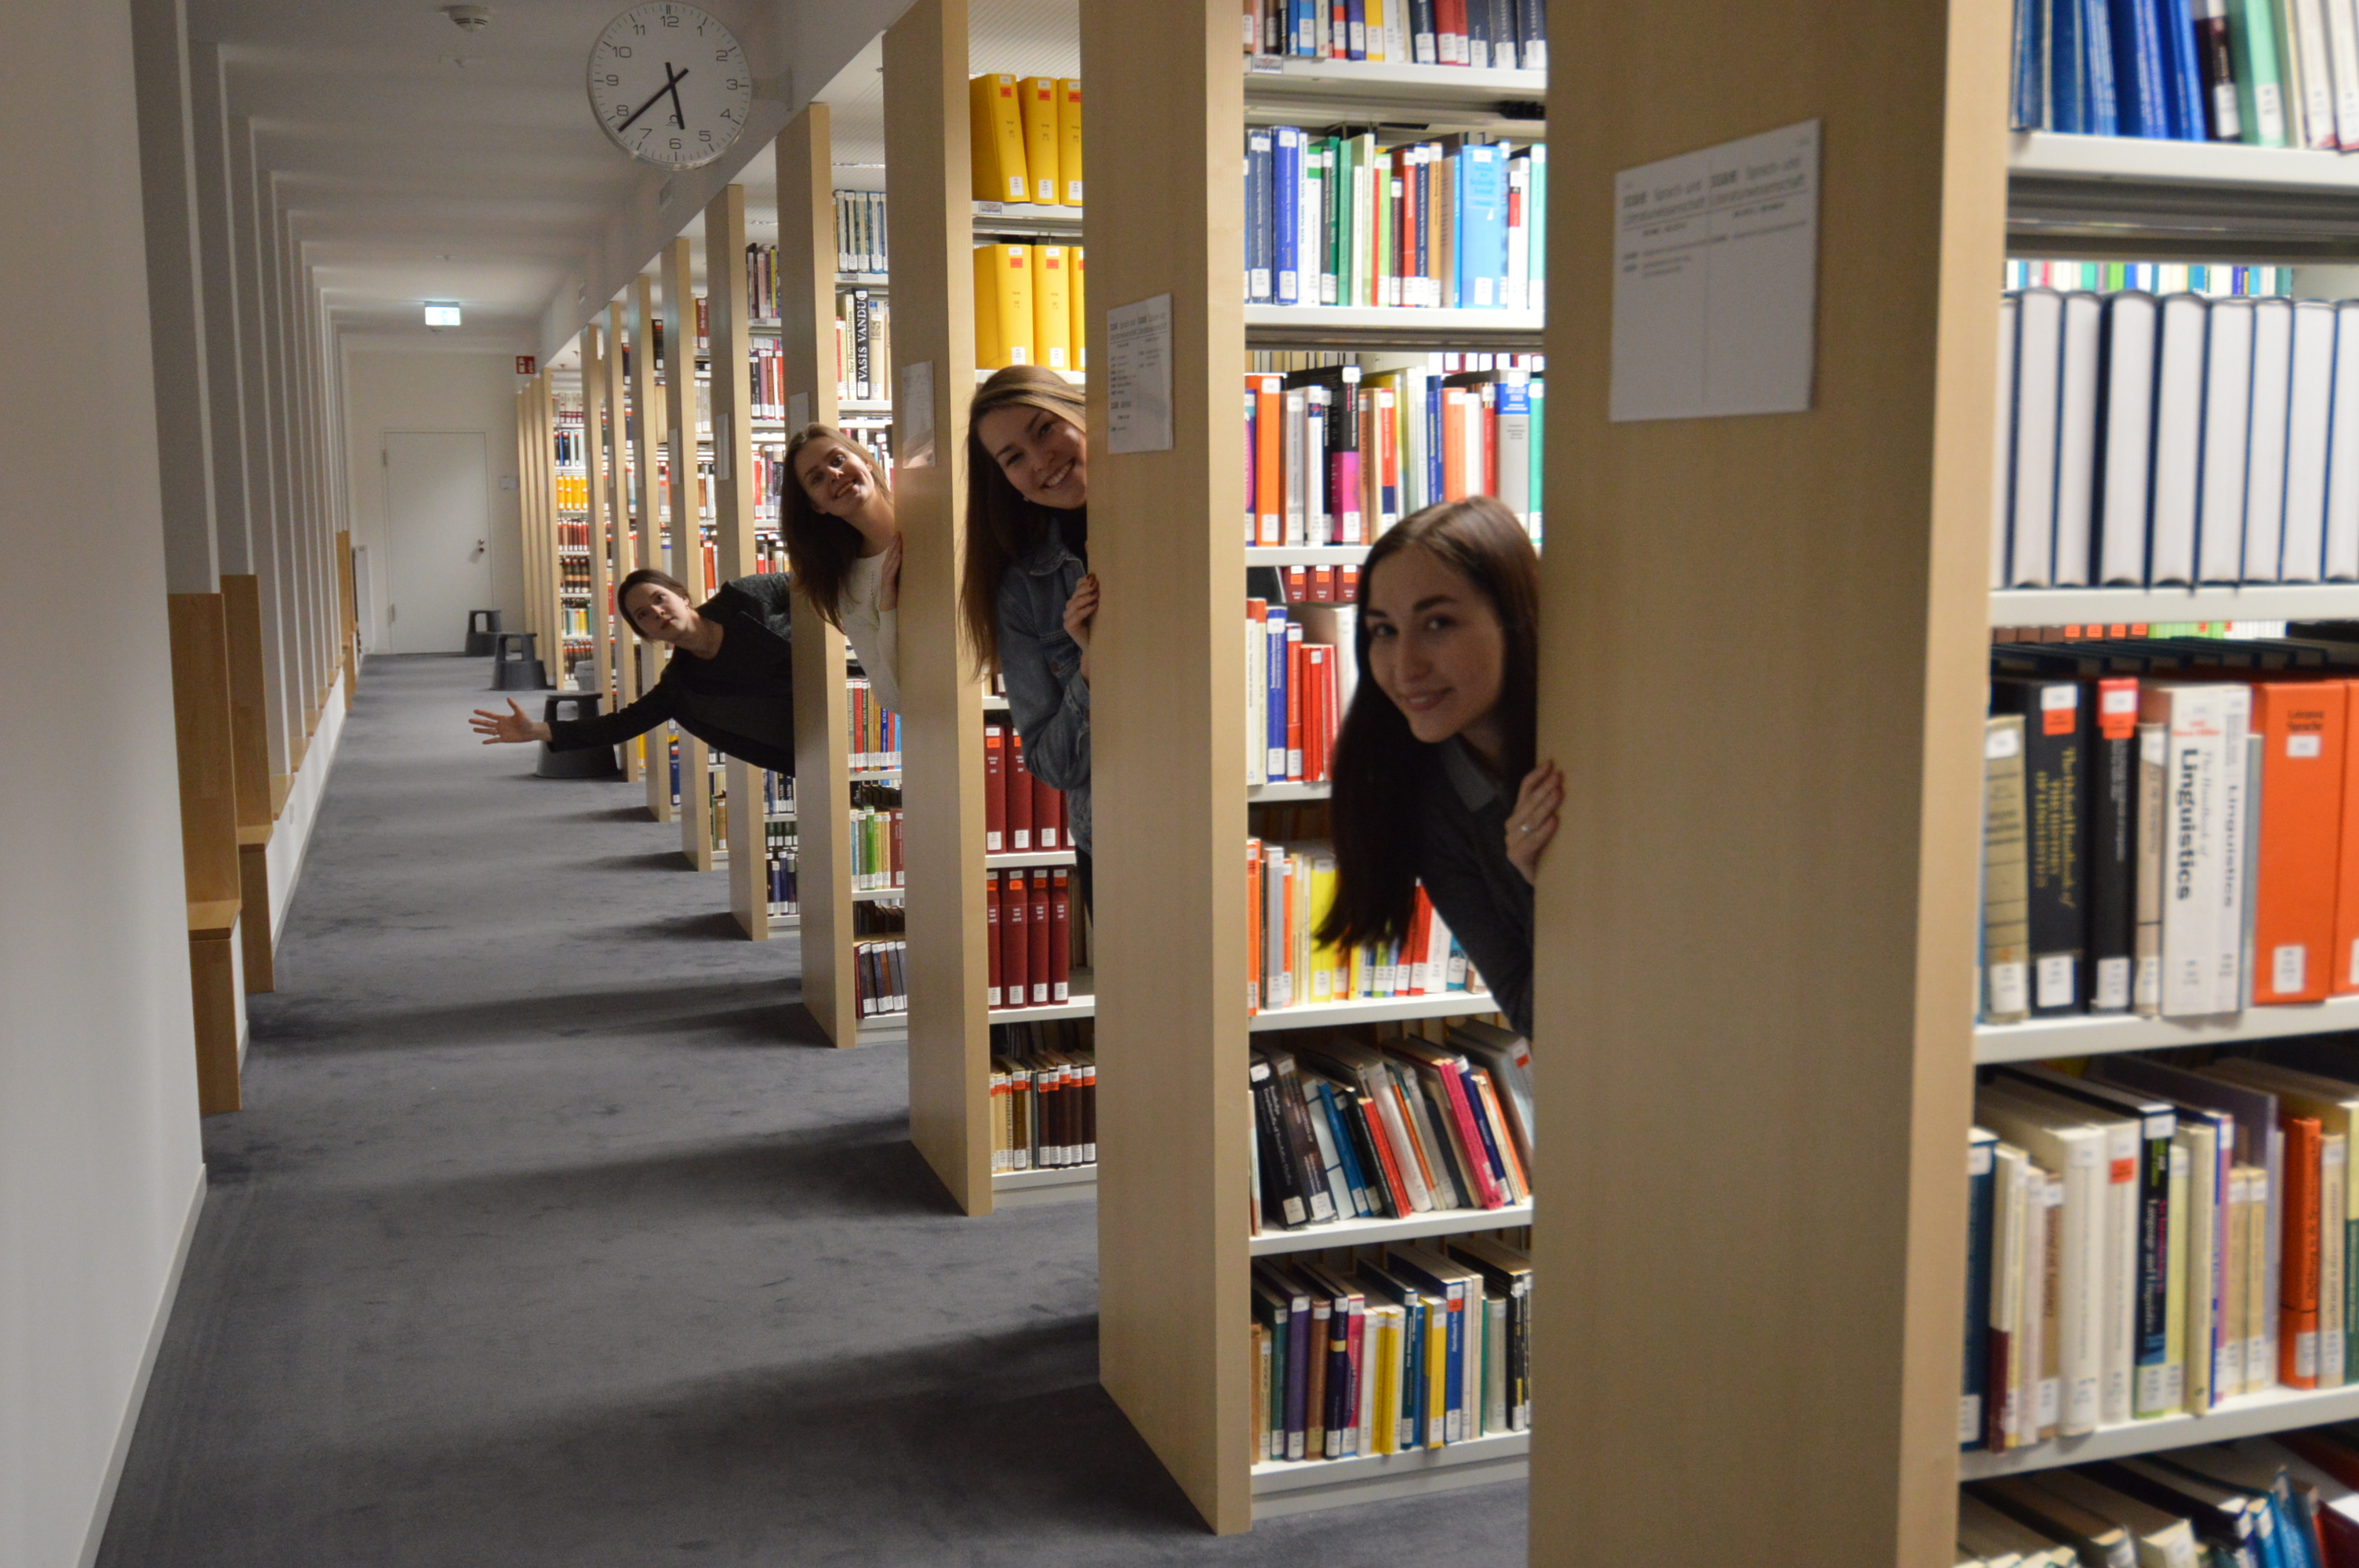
pixel 1080 610
pixel 1532 823
pixel 510 728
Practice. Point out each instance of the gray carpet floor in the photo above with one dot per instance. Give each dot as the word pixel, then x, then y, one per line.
pixel 550 1236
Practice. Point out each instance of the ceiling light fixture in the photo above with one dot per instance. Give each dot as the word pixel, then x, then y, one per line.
pixel 441 312
pixel 469 18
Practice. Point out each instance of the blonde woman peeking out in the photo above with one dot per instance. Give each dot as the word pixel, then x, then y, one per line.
pixel 1435 779
pixel 1029 597
pixel 843 550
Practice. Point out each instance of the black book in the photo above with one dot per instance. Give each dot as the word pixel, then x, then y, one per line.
pixel 1282 1202
pixel 2056 762
pixel 2112 845
pixel 1424 44
pixel 1531 27
pixel 1478 33
pixel 1302 1144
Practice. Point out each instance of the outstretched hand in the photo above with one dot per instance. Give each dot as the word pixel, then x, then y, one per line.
pixel 1080 609
pixel 511 728
pixel 1532 823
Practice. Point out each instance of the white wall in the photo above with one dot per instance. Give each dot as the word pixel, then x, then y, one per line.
pixel 99 1156
pixel 426 389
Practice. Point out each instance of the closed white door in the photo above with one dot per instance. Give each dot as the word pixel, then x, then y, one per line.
pixel 438 529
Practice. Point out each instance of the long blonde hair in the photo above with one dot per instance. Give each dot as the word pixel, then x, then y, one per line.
pixel 1002 528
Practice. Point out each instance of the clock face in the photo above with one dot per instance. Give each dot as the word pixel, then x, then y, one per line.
pixel 669 84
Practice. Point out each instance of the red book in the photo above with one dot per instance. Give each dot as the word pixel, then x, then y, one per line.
pixel 1297 584
pixel 1037 960
pixel 1020 797
pixel 1253 927
pixel 995 790
pixel 1347 585
pixel 1411 980
pixel 1322 585
pixel 1060 952
pixel 1294 700
pixel 991 941
pixel 1014 947
pixel 1045 814
pixel 1318 660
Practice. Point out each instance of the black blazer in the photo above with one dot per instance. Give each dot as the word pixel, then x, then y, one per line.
pixel 755 609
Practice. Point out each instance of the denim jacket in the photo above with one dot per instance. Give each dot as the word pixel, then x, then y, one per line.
pixel 1047 696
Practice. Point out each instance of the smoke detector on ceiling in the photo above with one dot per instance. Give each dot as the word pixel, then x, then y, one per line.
pixel 472 18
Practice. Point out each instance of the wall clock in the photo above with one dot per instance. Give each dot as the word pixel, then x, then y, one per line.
pixel 669 84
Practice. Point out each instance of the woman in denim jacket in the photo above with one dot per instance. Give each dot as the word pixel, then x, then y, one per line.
pixel 1028 594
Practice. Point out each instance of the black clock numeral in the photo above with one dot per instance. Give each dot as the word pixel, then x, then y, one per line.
pixel 613 80
pixel 670 20
pixel 703 135
pixel 622 52
pixel 675 143
pixel 723 55
pixel 731 84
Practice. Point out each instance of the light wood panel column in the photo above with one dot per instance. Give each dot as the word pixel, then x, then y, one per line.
pixel 1753 997
pixel 550 611
pixel 733 497
pixel 687 552
pixel 1168 768
pixel 593 446
pixel 250 771
pixel 823 749
pixel 347 617
pixel 209 838
pixel 929 191
pixel 622 549
pixel 529 549
pixel 647 419
pixel 262 497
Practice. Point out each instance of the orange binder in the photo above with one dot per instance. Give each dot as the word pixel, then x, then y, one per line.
pixel 2344 959
pixel 2303 734
pixel 1269 458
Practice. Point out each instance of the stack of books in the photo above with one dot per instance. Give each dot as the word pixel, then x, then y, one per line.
pixel 2171 827
pixel 1029 307
pixel 1300 673
pixel 1021 816
pixel 860 232
pixel 1400 1349
pixel 1026 139
pixel 1494 35
pixel 864 347
pixel 875 729
pixel 1027 919
pixel 1288 891
pixel 1044 1095
pixel 2284 1500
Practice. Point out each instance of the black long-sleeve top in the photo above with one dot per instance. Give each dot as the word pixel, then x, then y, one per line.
pixel 740 702
pixel 1476 889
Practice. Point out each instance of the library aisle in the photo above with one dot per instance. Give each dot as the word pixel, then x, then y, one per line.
pixel 553 1234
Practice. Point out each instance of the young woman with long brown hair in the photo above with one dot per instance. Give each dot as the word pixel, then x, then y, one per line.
pixel 843 548
pixel 1028 598
pixel 1435 779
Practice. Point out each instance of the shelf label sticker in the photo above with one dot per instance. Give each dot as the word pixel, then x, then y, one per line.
pixel 1715 280
pixel 1139 376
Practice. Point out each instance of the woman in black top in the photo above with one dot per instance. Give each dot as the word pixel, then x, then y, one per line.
pixel 730 682
pixel 1434 778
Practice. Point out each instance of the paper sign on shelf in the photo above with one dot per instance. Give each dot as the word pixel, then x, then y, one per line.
pixel 1139 376
pixel 1715 280
pixel 916 409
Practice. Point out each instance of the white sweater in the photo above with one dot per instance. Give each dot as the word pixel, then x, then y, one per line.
pixel 873 634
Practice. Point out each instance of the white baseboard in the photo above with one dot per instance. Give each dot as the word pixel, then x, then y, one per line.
pixel 290 841
pixel 104 1511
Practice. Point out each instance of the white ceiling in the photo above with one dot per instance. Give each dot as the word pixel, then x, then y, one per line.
pixel 419 161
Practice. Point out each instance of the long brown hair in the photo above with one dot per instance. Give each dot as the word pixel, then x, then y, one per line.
pixel 1380 765
pixel 1002 528
pixel 821 548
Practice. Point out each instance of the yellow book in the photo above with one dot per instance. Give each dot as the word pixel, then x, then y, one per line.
pixel 1385 1322
pixel 1037 95
pixel 1081 336
pixel 1069 139
pixel 1004 273
pixel 1326 983
pixel 987 352
pixel 995 123
pixel 1053 307
pixel 1437 1369
pixel 1376 9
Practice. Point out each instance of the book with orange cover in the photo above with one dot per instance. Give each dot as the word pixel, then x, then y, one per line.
pixel 1269 458
pixel 1252 925
pixel 2298 1278
pixel 2302 729
pixel 2344 961
pixel 1035 98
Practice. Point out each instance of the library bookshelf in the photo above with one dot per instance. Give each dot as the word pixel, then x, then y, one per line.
pixel 936 223
pixel 1168 689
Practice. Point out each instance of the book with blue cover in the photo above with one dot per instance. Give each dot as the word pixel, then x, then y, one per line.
pixel 1481 197
pixel 1286 214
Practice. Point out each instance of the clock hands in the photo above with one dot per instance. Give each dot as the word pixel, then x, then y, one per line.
pixel 672 79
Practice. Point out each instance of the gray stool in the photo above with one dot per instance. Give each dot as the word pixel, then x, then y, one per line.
pixel 483 626
pixel 589 762
pixel 516 662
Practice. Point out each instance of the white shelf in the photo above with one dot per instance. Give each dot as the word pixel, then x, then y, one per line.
pixel 2149 160
pixel 1375 1010
pixel 1374 326
pixel 1017 860
pixel 1055 225
pixel 1260 795
pixel 1305 554
pixel 2100 1035
pixel 880 895
pixel 1375 1232
pixel 2248 1415
pixel 1064 1183
pixel 872 281
pixel 1080 1007
pixel 1276 83
pixel 863 405
pixel 2133 197
pixel 993 702
pixel 2133 606
pixel 875 775
pixel 1283 1488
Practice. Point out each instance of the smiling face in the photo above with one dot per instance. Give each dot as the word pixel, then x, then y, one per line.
pixel 1436 648
pixel 837 479
pixel 1044 456
pixel 660 614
